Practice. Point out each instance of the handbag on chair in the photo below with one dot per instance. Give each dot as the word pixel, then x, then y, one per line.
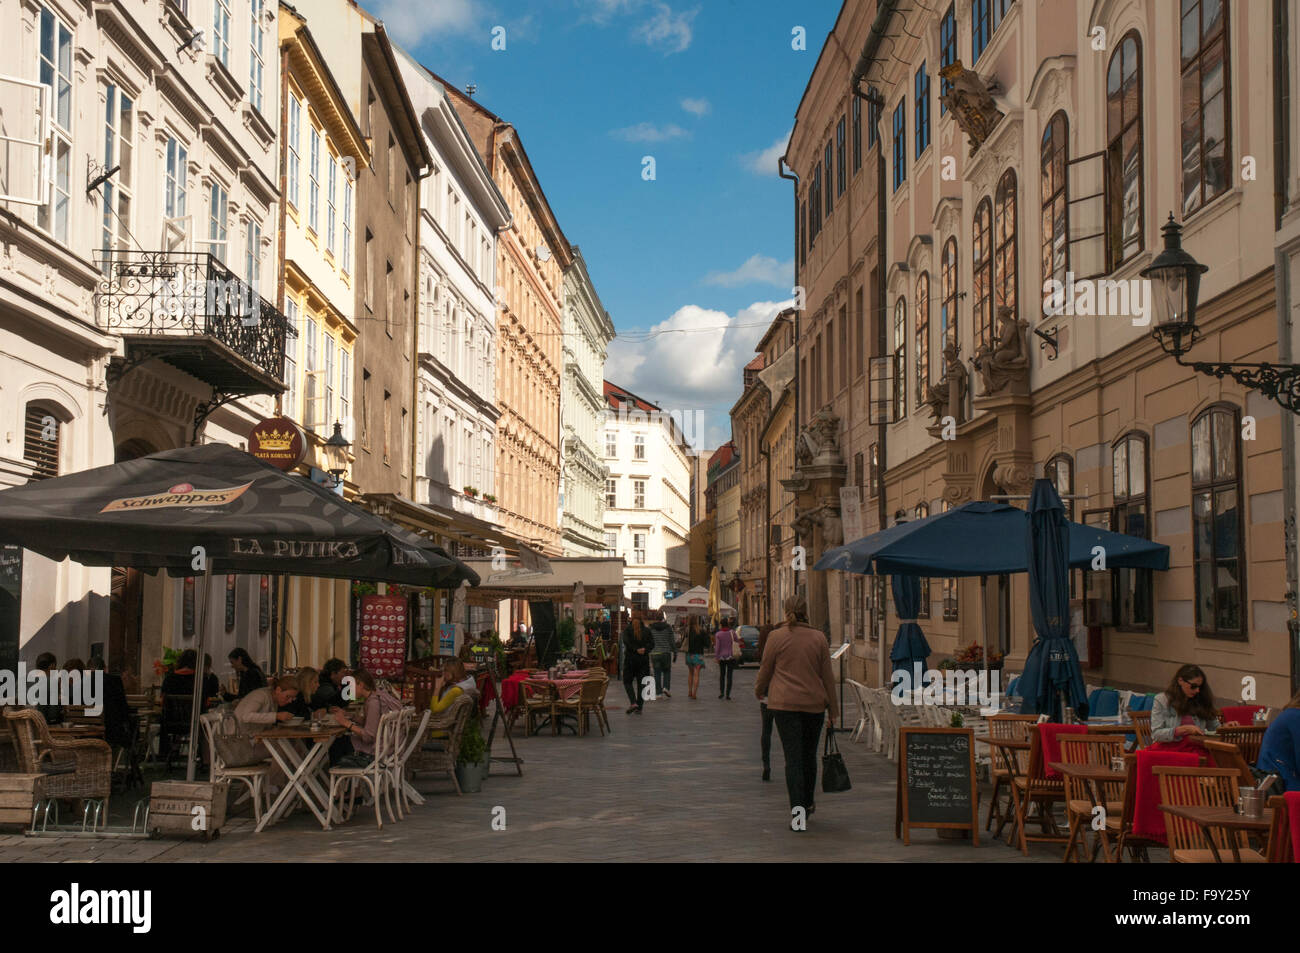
pixel 835 777
pixel 234 748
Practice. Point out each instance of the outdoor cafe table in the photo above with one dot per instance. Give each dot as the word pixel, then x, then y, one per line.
pixel 1224 818
pixel 303 770
pixel 563 688
pixel 1095 775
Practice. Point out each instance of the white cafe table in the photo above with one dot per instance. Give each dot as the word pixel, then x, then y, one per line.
pixel 300 752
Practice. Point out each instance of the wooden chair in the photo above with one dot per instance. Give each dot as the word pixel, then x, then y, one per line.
pixel 1035 787
pixel 1141 727
pixel 92 759
pixel 440 754
pixel 1010 728
pixel 1224 754
pixel 1248 739
pixel 539 701
pixel 1096 750
pixel 253 776
pixel 375 775
pixel 1125 838
pixel 1280 847
pixel 1201 787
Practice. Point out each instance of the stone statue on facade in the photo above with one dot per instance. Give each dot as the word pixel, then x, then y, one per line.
pixel 1005 362
pixel 948 397
pixel 819 442
pixel 969 102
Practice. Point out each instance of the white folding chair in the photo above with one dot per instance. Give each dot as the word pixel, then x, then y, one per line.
pixel 375 774
pixel 864 710
pixel 407 795
pixel 254 776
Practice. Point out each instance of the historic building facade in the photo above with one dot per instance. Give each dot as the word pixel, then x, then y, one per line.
pixel 998 126
pixel 723 494
pixel 647 509
pixel 162 161
pixel 532 257
pixel 587 333
pixel 747 418
pixel 775 444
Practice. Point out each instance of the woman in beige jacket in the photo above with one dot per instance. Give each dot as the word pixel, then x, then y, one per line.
pixel 795 675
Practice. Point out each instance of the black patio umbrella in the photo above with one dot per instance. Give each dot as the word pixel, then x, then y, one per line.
pixel 216 509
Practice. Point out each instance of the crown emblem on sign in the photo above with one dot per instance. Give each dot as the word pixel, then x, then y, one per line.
pixel 275 439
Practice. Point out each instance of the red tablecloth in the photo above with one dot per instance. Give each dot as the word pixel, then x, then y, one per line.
pixel 1148 819
pixel 1049 734
pixel 1241 714
pixel 1293 814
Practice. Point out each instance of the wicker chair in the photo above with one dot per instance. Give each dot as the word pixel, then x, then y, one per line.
pixel 440 754
pixel 586 703
pixel 1095 750
pixel 92 776
pixel 1141 727
pixel 1202 787
pixel 539 699
pixel 1248 738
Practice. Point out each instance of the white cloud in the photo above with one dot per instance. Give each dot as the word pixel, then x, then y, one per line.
pixel 697 107
pixel 411 23
pixel 764 162
pixel 757 269
pixel 602 11
pixel 694 363
pixel 666 29
pixel 649 132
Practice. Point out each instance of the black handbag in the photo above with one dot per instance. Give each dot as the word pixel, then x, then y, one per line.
pixel 835 777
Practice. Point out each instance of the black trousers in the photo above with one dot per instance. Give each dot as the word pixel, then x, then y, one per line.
pixel 632 675
pixel 726 668
pixel 765 739
pixel 800 733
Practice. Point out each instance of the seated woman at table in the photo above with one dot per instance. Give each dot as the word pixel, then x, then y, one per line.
pixel 250 676
pixel 329 694
pixel 363 733
pixel 450 684
pixel 1186 711
pixel 265 707
pixel 1279 753
pixel 308 682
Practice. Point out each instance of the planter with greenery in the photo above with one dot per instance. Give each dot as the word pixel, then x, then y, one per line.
pixel 565 631
pixel 471 491
pixel 472 759
pixel 489 498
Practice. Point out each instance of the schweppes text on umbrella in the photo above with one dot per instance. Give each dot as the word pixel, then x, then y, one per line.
pixel 183 494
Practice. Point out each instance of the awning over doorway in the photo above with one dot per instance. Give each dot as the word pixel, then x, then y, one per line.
pixel 601 578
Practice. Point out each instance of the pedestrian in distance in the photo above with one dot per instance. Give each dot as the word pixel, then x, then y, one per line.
pixel 697 643
pixel 637 643
pixel 765 737
pixel 726 651
pixel 663 655
pixel 795 675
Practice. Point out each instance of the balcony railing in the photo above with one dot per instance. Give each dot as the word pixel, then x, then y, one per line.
pixel 165 298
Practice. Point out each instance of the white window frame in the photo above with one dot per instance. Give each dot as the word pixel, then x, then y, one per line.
pixel 639 552
pixel 611 492
pixel 331 213
pixel 221 31
pixel 311 378
pixel 611 443
pixel 289 402
pixel 118 189
pixel 295 160
pixel 330 382
pixel 638 494
pixel 253 255
pixel 256 61
pixel 638 446
pixel 313 178
pixel 345 391
pixel 345 253
pixel 176 192
pixel 218 226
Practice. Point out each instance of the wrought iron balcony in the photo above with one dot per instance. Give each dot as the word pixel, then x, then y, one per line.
pixel 190 310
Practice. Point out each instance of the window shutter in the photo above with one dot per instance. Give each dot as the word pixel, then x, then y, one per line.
pixel 880 390
pixel 41 433
pixel 26 163
pixel 1086 214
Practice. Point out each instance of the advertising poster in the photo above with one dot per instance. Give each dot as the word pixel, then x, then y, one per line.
pixel 383 636
pixel 447 638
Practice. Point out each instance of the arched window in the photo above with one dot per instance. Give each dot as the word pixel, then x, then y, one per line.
pixel 1004 237
pixel 42 439
pixel 922 336
pixel 1130 483
pixel 1217 544
pixel 900 358
pixel 1124 144
pixel 948 293
pixel 982 272
pixel 1205 116
pixel 1056 243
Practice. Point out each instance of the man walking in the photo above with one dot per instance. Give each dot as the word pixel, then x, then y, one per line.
pixel 663 655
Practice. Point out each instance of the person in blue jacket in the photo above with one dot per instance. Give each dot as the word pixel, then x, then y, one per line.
pixel 1280 751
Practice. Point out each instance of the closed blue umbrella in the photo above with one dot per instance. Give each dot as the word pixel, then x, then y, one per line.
pixel 910 646
pixel 1051 677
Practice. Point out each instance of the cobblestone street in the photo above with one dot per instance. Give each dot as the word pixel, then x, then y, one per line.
pixel 681 782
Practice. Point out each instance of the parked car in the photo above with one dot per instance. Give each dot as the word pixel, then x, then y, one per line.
pixel 748 644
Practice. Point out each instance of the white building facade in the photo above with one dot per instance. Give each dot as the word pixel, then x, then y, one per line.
pixel 461 211
pixel 587 333
pixel 160 131
pixel 647 502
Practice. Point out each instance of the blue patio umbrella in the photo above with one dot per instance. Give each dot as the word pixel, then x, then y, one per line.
pixel 1051 678
pixel 910 646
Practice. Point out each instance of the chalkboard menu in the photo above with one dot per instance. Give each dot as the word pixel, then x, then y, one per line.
pixel 936 781
pixel 11 598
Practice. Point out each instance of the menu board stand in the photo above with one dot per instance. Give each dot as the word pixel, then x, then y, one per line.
pixel 936 782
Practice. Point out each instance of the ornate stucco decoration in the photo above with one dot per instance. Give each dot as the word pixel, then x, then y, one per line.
pixel 818 443
pixel 970 103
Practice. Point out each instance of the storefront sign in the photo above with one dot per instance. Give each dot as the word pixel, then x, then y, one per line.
pixel 447 638
pixel 182 494
pixel 851 513
pixel 277 441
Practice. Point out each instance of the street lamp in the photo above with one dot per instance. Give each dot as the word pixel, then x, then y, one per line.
pixel 1175 278
pixel 336 454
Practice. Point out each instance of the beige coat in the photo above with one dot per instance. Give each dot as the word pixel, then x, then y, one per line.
pixel 257 708
pixel 795 673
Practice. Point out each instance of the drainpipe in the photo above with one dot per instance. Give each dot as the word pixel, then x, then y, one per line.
pixel 767 543
pixel 793 177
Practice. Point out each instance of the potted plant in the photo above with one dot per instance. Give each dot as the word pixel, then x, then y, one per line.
pixel 565 631
pixel 489 498
pixel 168 661
pixel 471 760
pixel 471 491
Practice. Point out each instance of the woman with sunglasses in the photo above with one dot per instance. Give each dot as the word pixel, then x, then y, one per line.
pixel 1186 710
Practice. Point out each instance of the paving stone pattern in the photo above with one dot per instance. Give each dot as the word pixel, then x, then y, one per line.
pixel 679 782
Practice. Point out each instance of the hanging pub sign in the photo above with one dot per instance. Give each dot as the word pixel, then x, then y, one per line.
pixel 277 441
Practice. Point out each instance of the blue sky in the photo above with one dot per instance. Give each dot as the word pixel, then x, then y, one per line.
pixel 708 90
